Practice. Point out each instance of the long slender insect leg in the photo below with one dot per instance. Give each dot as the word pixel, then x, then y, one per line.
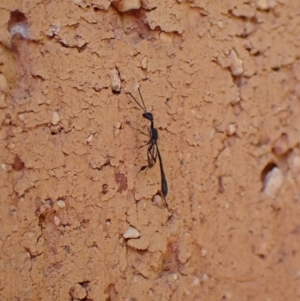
pixel 140 131
pixel 150 139
pixel 145 167
pixel 149 155
pixel 153 154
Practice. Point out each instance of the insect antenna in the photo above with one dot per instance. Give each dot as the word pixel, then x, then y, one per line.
pixel 142 99
pixel 143 108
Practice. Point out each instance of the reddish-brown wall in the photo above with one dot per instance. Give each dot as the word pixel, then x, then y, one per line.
pixel 222 79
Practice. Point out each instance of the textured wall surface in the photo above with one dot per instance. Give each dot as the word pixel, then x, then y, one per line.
pixel 78 219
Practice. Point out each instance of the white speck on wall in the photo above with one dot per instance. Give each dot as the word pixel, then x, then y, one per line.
pixel 131 233
pixel 273 182
pixel 20 28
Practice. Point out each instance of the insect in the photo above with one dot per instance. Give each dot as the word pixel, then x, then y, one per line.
pixel 153 150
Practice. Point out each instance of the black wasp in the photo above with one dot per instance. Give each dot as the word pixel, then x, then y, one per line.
pixel 153 150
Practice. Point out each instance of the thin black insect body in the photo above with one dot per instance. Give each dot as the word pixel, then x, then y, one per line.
pixel 153 151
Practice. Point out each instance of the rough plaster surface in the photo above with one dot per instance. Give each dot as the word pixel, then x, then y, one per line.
pixel 78 222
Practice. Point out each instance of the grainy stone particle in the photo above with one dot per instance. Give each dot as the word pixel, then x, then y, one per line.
pixel 236 66
pixel 118 125
pixel 20 28
pixel 196 281
pixel 131 233
pixel 144 62
pixel 126 5
pixel 231 129
pixel 56 220
pixel 115 80
pixel 261 249
pixel 204 277
pixel 78 292
pixel 203 252
pixel 265 4
pixel 90 138
pixel 61 204
pixel 48 203
pixel 280 146
pixel 273 181
pixel 52 30
pixel 157 200
pixel 55 118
